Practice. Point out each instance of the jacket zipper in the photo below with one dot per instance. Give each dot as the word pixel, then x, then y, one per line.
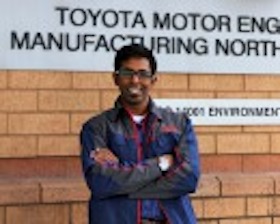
pixel 139 157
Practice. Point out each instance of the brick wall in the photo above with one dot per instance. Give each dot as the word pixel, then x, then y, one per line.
pixel 41 113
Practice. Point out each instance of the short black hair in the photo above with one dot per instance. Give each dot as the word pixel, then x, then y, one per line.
pixel 135 51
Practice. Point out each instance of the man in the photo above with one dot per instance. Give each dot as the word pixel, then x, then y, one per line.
pixel 140 161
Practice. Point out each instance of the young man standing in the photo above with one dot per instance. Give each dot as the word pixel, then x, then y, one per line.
pixel 140 161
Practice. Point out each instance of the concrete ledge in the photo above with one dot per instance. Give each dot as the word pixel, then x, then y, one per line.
pixel 221 198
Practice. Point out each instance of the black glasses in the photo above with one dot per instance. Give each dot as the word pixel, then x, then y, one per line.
pixel 129 73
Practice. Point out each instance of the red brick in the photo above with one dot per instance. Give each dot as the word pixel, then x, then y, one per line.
pixel 261 163
pixel 221 163
pixel 38 214
pixel 59 166
pixel 41 167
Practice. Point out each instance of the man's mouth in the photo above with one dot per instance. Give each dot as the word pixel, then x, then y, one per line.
pixel 134 90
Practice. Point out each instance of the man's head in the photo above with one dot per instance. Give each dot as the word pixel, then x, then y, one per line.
pixel 135 74
pixel 135 51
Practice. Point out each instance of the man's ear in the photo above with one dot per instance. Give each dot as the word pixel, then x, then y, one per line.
pixel 154 79
pixel 115 78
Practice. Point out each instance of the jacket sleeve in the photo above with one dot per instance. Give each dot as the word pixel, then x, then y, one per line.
pixel 183 177
pixel 112 179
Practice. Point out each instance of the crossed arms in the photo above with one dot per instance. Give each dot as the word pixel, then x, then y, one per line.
pixel 106 177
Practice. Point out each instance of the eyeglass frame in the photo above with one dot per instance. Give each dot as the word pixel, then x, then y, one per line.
pixel 129 73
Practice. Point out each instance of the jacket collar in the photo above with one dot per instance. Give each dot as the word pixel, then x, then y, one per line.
pixel 119 110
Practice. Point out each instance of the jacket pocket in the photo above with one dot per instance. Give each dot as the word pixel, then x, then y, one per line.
pixel 165 143
pixel 123 148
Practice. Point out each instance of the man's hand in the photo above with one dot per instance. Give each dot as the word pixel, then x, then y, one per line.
pixel 103 156
pixel 165 162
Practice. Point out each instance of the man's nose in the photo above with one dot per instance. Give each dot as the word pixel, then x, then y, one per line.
pixel 135 78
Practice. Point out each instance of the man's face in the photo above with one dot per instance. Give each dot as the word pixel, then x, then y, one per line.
pixel 135 80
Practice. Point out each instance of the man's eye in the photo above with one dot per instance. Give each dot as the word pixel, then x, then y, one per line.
pixel 128 72
pixel 145 73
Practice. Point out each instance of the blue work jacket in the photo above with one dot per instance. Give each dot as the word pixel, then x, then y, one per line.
pixel 118 188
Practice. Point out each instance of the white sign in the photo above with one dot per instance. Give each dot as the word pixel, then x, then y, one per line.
pixel 227 111
pixel 230 36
